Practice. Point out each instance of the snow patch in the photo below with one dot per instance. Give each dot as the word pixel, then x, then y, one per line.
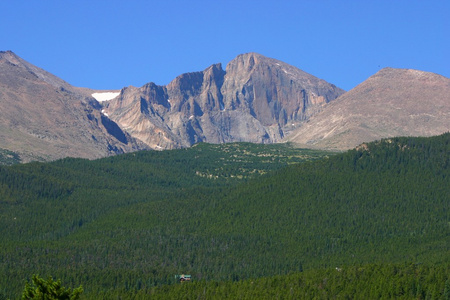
pixel 105 96
pixel 103 112
pixel 287 72
pixel 191 117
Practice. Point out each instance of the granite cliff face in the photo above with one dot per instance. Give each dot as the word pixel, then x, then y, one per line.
pixel 257 99
pixel 393 102
pixel 43 117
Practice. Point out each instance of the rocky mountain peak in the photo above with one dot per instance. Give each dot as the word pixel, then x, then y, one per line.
pixel 42 117
pixel 245 62
pixel 392 102
pixel 257 99
pixel 9 56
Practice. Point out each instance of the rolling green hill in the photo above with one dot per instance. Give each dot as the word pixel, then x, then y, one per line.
pixel 124 224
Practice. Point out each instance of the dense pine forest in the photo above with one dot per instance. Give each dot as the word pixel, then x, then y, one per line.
pixel 373 281
pixel 242 219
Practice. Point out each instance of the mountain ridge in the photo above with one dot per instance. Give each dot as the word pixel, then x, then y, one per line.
pixel 42 117
pixel 392 102
pixel 256 99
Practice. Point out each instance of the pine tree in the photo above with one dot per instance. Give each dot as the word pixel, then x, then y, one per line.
pixel 49 290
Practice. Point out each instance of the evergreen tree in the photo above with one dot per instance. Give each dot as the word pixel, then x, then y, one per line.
pixel 49 290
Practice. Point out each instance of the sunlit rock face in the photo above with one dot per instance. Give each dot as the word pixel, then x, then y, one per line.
pixel 257 99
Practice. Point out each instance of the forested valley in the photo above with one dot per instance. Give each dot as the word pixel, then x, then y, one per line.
pixel 244 220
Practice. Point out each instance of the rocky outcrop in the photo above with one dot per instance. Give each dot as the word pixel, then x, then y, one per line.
pixel 43 117
pixel 257 99
pixel 393 102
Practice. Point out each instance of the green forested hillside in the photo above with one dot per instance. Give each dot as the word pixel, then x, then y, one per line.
pixel 125 224
pixel 48 210
pixel 373 281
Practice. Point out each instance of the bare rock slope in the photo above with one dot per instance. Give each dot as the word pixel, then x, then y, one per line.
pixel 257 99
pixel 393 102
pixel 43 117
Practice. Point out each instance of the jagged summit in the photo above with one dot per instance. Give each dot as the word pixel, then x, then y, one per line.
pixel 291 88
pixel 256 99
pixel 253 62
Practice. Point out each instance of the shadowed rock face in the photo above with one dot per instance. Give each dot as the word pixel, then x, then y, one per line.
pixel 257 99
pixel 43 117
pixel 393 102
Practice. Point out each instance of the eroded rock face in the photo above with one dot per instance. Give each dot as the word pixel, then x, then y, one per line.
pixel 43 117
pixel 257 99
pixel 392 102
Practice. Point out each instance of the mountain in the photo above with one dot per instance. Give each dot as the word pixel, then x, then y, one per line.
pixel 256 99
pixel 43 117
pixel 393 102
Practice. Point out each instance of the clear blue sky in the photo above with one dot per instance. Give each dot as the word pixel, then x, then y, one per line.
pixel 112 44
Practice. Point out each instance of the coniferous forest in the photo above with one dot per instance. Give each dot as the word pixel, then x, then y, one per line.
pixel 244 220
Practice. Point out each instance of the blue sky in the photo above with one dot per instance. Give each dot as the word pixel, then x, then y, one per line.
pixel 112 44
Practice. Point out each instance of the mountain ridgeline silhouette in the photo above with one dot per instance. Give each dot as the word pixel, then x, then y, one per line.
pixel 255 99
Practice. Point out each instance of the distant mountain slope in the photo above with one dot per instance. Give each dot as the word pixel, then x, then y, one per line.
pixel 257 99
pixel 43 117
pixel 393 102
